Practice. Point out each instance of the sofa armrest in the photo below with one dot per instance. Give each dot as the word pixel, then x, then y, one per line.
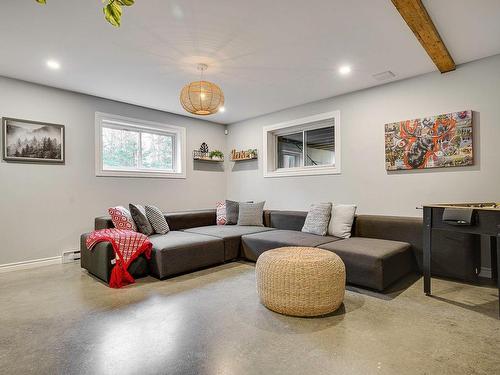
pixel 98 261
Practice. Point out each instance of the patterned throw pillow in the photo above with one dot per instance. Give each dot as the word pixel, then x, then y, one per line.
pixel 121 218
pixel 157 219
pixel 221 213
pixel 317 219
pixel 251 214
pixel 141 221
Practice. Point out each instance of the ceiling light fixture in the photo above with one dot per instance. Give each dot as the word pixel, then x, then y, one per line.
pixel 345 69
pixel 202 97
pixel 222 109
pixel 53 64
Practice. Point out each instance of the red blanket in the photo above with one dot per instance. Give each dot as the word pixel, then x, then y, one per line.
pixel 128 245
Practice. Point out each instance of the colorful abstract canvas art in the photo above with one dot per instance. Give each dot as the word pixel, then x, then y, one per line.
pixel 431 142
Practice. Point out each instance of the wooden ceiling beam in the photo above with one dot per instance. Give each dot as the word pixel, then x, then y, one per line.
pixel 419 21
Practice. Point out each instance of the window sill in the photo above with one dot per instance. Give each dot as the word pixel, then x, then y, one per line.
pixel 302 172
pixel 139 174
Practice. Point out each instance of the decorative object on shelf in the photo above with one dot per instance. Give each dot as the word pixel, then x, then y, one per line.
pixel 202 97
pixel 431 142
pixel 216 155
pixel 112 9
pixel 204 154
pixel 249 154
pixel 27 141
pixel 204 147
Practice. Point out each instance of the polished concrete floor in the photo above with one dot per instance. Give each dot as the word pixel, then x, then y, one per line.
pixel 59 320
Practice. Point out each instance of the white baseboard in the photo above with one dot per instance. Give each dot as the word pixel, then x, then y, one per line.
pixel 29 264
pixel 485 272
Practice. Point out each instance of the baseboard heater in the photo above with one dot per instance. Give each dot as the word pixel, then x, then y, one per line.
pixel 70 256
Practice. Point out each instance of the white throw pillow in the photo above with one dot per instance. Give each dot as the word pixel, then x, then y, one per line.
pixel 341 221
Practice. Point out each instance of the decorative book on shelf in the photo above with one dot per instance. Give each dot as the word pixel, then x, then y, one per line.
pixel 250 154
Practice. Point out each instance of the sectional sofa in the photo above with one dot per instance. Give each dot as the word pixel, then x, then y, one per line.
pixel 382 249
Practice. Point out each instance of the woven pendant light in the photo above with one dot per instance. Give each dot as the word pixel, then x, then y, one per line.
pixel 202 97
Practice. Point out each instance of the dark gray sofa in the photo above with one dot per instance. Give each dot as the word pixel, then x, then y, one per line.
pixel 382 249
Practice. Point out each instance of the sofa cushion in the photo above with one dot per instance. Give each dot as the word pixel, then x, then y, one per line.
pixel 371 262
pixel 255 244
pixel 231 234
pixel 177 252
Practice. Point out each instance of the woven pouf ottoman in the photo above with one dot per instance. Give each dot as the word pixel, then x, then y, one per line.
pixel 300 281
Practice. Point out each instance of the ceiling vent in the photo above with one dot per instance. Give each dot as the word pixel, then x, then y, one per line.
pixel 384 76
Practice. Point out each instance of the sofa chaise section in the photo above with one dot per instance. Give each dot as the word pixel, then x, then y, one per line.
pixel 373 263
pixel 231 235
pixel 178 252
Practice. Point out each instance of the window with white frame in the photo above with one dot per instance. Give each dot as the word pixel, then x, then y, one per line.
pixel 307 146
pixel 128 147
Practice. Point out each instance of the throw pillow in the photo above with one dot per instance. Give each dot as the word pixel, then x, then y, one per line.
pixel 317 219
pixel 251 214
pixel 141 221
pixel 157 219
pixel 341 221
pixel 221 213
pixel 121 218
pixel 232 210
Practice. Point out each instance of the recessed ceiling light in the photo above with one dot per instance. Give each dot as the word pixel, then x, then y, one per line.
pixel 222 109
pixel 345 69
pixel 53 64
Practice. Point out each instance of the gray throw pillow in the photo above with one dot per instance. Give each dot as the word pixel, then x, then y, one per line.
pixel 251 214
pixel 232 210
pixel 139 215
pixel 157 219
pixel 317 219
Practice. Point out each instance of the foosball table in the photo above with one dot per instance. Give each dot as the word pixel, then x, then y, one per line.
pixel 472 218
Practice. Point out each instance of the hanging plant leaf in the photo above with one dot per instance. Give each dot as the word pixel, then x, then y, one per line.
pixel 126 3
pixel 113 13
pixel 112 9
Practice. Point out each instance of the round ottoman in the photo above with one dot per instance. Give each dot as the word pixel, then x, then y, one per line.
pixel 300 281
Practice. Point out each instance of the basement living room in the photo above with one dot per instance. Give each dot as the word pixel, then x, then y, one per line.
pixel 218 187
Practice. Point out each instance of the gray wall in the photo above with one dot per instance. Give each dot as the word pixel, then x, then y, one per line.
pixel 364 180
pixel 45 208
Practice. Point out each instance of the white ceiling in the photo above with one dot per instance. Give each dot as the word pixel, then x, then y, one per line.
pixel 266 55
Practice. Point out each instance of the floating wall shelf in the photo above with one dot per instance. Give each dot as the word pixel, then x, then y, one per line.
pixel 243 155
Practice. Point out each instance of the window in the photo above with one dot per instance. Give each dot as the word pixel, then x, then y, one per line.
pixel 307 146
pixel 134 148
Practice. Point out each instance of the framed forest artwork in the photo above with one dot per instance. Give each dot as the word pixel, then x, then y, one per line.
pixel 27 141
pixel 431 142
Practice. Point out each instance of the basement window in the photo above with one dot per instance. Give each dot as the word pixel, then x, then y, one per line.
pixel 307 146
pixel 127 147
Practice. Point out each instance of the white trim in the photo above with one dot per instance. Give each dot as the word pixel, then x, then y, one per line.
pixel 307 170
pixel 179 148
pixel 30 264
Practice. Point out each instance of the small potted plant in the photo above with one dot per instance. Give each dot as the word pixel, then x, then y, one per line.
pixel 253 153
pixel 216 155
